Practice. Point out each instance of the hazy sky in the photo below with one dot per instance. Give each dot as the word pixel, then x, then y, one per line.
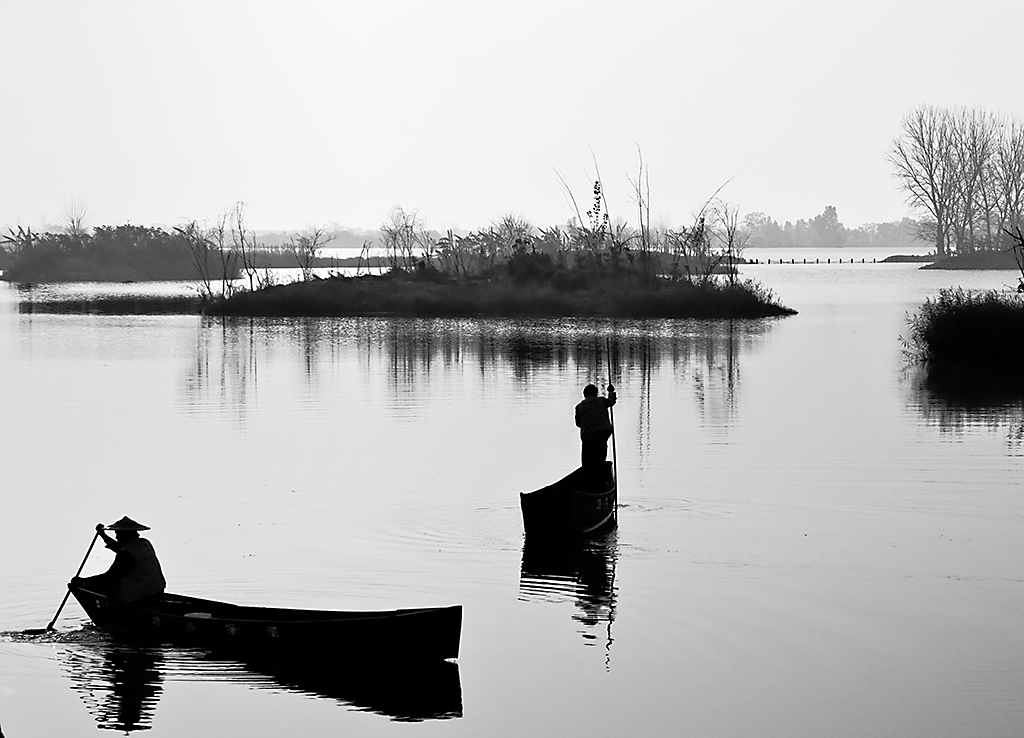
pixel 318 112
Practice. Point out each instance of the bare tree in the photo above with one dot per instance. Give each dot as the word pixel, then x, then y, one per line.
pixel 402 236
pixel 74 214
pixel 731 236
pixel 214 261
pixel 924 168
pixel 1007 177
pixel 646 238
pixel 306 249
pixel 973 141
pixel 232 234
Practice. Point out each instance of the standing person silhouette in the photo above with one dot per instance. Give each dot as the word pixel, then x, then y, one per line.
pixel 595 429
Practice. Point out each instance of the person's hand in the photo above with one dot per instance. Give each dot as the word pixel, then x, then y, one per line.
pixel 100 527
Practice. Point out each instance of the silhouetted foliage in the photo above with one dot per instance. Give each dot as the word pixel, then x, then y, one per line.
pixel 401 293
pixel 825 230
pixel 968 328
pixel 109 253
pixel 963 170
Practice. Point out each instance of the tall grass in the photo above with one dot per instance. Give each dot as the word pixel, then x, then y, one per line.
pixel 960 328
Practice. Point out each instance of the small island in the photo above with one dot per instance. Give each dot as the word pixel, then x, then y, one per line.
pixel 511 269
pixel 529 286
pixel 962 331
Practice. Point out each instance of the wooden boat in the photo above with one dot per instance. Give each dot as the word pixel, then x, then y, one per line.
pixel 412 634
pixel 568 509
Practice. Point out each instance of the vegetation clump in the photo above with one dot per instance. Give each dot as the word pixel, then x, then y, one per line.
pixel 593 267
pixel 566 293
pixel 971 330
pixel 107 254
pixel 963 328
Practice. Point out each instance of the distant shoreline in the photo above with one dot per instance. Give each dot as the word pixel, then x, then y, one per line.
pixel 977 260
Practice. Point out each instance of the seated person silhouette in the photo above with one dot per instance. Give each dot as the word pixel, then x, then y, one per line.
pixel 135 575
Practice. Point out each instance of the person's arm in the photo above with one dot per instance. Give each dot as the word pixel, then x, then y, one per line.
pixel 110 543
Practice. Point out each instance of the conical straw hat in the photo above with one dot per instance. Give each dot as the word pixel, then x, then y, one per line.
pixel 127 523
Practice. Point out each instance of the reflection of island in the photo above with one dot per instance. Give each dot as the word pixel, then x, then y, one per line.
pixel 121 682
pixel 954 398
pixel 705 354
pixel 583 572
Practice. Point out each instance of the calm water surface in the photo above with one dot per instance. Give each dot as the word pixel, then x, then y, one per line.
pixel 811 542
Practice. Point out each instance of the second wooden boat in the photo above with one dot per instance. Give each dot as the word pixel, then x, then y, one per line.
pixel 570 508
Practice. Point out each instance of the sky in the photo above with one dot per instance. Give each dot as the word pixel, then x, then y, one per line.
pixel 317 113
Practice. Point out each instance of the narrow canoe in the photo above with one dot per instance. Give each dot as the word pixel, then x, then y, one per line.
pixel 566 509
pixel 412 634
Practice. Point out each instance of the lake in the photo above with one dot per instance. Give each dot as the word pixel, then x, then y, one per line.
pixel 812 541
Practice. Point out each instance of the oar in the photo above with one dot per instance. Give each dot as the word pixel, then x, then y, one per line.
pixel 48 628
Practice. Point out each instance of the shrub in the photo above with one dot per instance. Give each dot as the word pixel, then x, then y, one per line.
pixel 967 328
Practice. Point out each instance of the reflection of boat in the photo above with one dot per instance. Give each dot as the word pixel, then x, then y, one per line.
pixel 582 571
pixel 424 633
pixel 425 690
pixel 121 681
pixel 566 509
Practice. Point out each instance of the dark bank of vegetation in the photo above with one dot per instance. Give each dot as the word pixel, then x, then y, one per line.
pixel 114 305
pixel 544 291
pixel 960 329
pixel 963 169
pixel 983 259
pixel 591 267
pixel 129 253
pixel 908 259
pixel 106 254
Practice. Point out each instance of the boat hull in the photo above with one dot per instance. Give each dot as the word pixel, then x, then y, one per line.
pixel 566 510
pixel 412 634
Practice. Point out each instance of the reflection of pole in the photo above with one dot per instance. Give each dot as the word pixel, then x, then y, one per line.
pixel 613 557
pixel 615 460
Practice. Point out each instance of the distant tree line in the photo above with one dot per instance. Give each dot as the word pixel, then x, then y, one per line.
pixel 963 171
pixel 826 231
pixel 106 253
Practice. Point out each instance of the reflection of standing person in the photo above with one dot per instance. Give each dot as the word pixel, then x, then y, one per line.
pixel 595 428
pixel 135 576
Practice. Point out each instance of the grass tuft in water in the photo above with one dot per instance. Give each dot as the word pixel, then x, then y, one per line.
pixel 963 328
